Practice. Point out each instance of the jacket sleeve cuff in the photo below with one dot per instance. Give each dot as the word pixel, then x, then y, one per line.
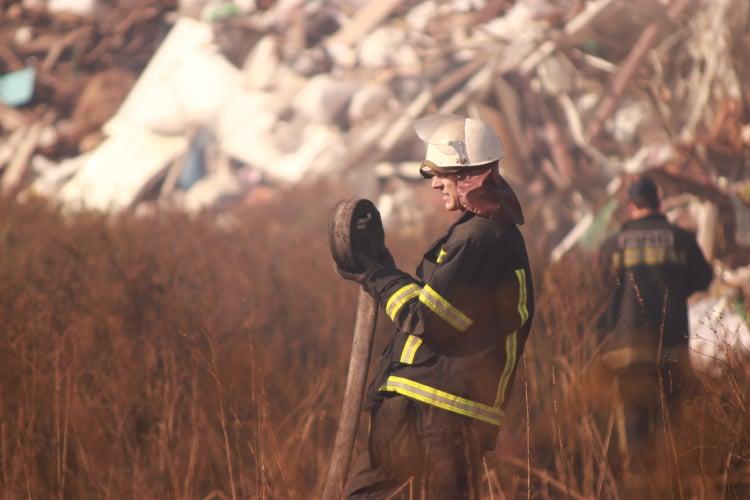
pixel 382 281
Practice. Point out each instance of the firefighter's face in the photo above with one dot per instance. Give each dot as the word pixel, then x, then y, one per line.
pixel 447 184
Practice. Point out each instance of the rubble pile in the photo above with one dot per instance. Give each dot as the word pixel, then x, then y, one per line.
pixel 244 97
pixel 65 68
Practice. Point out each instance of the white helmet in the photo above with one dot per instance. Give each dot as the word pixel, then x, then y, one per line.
pixel 455 142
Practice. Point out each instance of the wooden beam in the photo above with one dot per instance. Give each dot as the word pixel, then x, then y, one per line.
pixel 646 41
pixel 367 18
pixel 16 171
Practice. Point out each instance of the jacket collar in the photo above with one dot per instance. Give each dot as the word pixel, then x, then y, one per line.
pixel 483 193
pixel 652 216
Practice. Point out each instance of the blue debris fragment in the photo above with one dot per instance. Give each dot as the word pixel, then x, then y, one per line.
pixel 17 87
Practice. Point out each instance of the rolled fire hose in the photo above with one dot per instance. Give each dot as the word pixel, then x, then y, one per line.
pixel 355 226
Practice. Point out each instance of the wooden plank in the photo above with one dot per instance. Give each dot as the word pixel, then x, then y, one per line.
pixel 16 171
pixel 572 30
pixel 646 41
pixel 365 20
pixel 389 134
pixel 405 121
pixel 10 144
pixel 457 77
pixel 478 83
pixel 491 10
pixel 12 119
pixel 510 108
pixel 708 220
pixel 557 144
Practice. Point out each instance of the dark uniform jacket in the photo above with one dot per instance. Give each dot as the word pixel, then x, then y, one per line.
pixel 654 267
pixel 461 322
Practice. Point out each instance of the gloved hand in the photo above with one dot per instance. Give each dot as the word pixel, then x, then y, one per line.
pixel 385 258
pixel 366 263
pixel 357 277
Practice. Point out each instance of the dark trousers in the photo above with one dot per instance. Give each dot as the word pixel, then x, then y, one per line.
pixel 650 400
pixel 428 452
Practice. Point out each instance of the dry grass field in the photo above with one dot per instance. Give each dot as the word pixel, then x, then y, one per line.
pixel 183 357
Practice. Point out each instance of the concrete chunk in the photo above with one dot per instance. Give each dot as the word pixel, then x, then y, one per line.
pixel 324 98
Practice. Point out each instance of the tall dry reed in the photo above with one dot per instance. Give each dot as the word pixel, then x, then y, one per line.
pixel 171 356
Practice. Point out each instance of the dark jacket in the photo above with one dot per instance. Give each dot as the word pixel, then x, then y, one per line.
pixel 653 267
pixel 461 322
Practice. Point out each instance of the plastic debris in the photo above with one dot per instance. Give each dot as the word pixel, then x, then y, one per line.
pixel 17 87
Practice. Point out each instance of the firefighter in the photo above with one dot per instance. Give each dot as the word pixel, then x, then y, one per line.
pixel 438 396
pixel 652 267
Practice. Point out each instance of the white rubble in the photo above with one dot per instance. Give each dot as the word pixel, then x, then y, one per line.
pixel 261 68
pixel 245 127
pixel 716 331
pixel 323 98
pixel 51 178
pixel 369 102
pixel 116 172
pixel 385 47
pixel 184 83
pixel 75 7
pixel 210 190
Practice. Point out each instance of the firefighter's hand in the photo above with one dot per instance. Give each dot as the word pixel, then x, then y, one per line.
pixel 357 277
pixel 367 265
pixel 385 258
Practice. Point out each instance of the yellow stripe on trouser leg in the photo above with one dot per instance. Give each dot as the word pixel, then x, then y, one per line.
pixel 397 300
pixel 444 309
pixel 442 399
pixel 410 349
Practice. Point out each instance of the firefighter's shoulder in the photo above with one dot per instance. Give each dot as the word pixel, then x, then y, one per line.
pixel 484 230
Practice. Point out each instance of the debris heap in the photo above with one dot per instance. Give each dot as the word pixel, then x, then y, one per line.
pixel 208 102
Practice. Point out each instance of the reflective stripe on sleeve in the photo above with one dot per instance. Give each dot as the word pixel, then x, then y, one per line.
pixel 410 349
pixel 522 310
pixel 441 256
pixel 511 341
pixel 444 309
pixel 442 399
pixel 397 300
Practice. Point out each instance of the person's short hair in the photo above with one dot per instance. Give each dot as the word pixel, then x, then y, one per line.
pixel 644 193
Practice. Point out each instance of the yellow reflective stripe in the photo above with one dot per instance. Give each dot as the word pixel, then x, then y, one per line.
pixel 616 261
pixel 441 256
pixel 511 345
pixel 442 399
pixel 401 297
pixel 632 257
pixel 651 256
pixel 522 310
pixel 444 309
pixel 511 341
pixel 410 349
